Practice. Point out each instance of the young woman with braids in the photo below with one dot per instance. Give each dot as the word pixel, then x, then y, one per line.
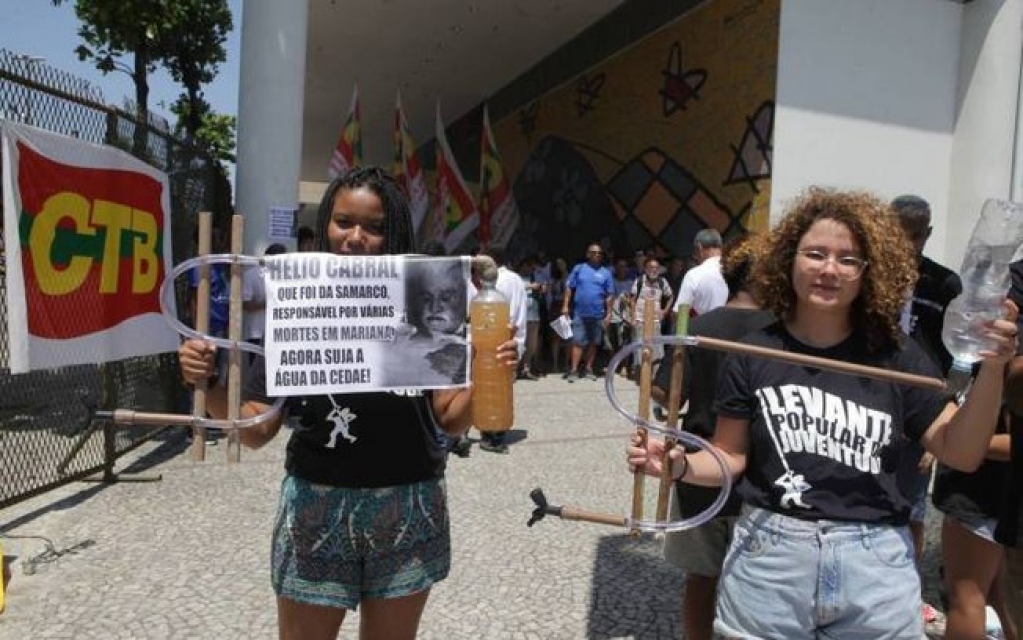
pixel 362 519
pixel 822 548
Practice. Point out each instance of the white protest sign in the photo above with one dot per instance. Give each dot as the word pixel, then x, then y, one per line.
pixel 343 324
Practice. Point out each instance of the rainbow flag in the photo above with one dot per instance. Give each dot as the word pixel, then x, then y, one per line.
pixel 499 216
pixel 348 152
pixel 407 169
pixel 455 211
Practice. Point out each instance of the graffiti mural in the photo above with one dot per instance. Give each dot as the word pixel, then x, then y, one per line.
pixel 668 136
pixel 680 86
pixel 753 154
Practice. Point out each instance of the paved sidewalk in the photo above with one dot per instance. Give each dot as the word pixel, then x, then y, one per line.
pixel 187 557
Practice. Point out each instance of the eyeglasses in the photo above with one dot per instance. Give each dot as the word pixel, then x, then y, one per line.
pixel 847 267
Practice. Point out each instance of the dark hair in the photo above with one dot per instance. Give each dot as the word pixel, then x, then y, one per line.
pixel 912 208
pixel 305 233
pixel 398 233
pixel 275 249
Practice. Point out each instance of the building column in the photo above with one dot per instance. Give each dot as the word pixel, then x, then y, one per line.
pixel 271 94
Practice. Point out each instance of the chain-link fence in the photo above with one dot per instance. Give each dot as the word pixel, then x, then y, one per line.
pixel 48 436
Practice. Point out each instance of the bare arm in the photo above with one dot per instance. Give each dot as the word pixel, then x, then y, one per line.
pixel 196 361
pixel 999 447
pixel 731 440
pixel 960 438
pixel 453 407
pixel 566 302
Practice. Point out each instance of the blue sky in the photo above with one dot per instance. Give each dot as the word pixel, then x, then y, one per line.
pixel 37 28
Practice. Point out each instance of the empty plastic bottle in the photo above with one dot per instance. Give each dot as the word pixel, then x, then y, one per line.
pixel 985 277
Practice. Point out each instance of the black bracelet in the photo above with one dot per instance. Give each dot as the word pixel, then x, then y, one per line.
pixel 685 468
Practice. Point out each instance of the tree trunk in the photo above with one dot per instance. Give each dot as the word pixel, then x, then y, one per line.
pixel 140 76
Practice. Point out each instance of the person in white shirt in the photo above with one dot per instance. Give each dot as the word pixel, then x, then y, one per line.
pixel 513 288
pixel 703 287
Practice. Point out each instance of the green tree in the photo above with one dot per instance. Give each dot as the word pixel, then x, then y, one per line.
pixel 215 133
pixel 186 36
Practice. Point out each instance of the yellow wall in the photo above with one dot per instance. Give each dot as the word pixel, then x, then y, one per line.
pixel 609 157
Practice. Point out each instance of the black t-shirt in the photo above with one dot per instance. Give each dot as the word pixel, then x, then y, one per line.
pixel 826 445
pixel 972 495
pixel 1010 526
pixel 936 287
pixel 700 378
pixel 359 440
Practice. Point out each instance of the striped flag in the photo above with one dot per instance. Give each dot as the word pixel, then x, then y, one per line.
pixel 348 153
pixel 498 214
pixel 407 169
pixel 455 208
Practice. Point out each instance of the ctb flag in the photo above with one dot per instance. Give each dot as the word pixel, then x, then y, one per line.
pixel 498 214
pixel 407 169
pixel 456 210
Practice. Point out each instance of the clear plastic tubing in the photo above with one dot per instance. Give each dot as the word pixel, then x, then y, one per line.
pixel 687 439
pixel 167 303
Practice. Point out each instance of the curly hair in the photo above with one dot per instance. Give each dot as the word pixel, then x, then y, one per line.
pixel 891 269
pixel 736 263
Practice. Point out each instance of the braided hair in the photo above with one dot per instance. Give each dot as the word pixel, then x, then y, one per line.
pixel 399 236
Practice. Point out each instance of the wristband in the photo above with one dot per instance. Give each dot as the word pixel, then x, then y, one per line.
pixel 685 468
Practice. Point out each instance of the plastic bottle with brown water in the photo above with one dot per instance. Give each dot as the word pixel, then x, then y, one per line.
pixel 492 400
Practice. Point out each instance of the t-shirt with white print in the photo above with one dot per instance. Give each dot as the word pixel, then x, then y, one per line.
pixel 363 440
pixel 822 444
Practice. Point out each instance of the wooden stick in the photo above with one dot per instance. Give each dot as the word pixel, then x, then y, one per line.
pixel 202 325
pixel 234 333
pixel 817 362
pixel 572 513
pixel 646 361
pixel 674 400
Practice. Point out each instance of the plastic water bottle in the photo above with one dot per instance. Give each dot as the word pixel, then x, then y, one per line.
pixel 985 277
pixel 492 400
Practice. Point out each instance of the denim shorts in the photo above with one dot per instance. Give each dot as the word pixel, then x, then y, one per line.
pixel 335 546
pixel 977 525
pixel 587 331
pixel 795 579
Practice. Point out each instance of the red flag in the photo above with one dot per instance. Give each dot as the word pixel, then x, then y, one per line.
pixel 456 212
pixel 498 214
pixel 407 169
pixel 348 152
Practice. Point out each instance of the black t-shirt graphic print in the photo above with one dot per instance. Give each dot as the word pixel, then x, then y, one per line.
pixel 826 445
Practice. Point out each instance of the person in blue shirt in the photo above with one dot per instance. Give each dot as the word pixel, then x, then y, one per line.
pixel 591 287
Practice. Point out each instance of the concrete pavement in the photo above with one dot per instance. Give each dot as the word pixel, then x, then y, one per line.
pixel 188 557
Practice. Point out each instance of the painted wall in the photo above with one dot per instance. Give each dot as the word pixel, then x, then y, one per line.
pixel 913 96
pixel 669 136
pixel 987 105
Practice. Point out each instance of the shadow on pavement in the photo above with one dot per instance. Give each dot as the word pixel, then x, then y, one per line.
pixel 634 593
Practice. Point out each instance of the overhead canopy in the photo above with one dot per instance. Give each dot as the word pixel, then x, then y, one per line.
pixel 457 51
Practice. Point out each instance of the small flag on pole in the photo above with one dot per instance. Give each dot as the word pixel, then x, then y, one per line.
pixel 498 214
pixel 407 169
pixel 348 152
pixel 454 201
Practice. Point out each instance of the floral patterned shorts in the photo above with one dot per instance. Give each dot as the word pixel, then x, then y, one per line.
pixel 336 546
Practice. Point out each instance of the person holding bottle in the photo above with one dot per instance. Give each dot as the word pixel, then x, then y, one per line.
pixel 385 478
pixel 817 450
pixel 921 319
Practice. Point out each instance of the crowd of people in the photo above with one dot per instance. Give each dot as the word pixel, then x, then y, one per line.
pixel 822 536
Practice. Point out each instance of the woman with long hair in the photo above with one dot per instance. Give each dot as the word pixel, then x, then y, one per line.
pixel 362 520
pixel 822 548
